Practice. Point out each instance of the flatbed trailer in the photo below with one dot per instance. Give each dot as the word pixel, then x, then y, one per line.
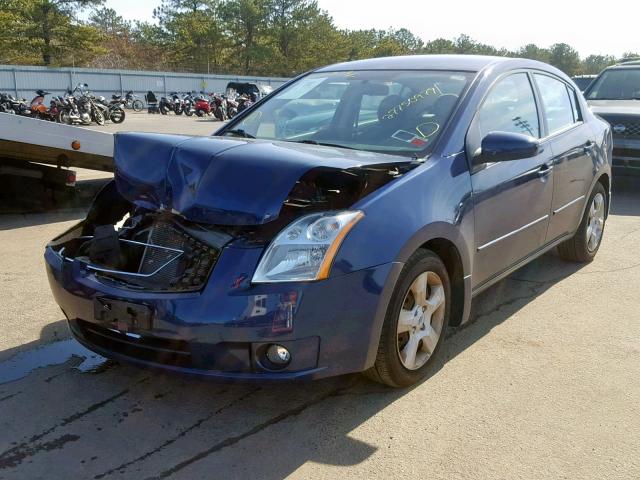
pixel 41 149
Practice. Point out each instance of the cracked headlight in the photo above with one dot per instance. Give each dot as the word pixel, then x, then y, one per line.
pixel 305 249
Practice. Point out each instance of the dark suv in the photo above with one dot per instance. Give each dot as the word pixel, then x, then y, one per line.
pixel 615 96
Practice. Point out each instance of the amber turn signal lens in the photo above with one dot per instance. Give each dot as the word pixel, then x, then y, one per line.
pixel 75 145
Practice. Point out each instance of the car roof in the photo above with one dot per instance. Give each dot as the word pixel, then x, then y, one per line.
pixel 471 63
pixel 625 66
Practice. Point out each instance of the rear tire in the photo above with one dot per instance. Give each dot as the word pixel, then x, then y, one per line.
pixel 584 245
pixel 413 320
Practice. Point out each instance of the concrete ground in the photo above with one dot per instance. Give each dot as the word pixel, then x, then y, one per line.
pixel 144 122
pixel 542 384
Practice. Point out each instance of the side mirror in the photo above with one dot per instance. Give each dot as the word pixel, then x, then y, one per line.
pixel 506 146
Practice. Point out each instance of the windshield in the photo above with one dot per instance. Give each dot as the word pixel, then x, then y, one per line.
pixel 396 112
pixel 620 84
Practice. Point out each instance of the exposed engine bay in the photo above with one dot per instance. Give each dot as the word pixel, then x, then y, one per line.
pixel 132 245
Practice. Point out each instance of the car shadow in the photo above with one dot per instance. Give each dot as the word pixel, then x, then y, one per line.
pixel 259 429
pixel 626 196
pixel 25 203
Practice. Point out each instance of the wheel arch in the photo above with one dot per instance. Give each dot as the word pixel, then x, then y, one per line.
pixel 605 180
pixel 450 256
pixel 447 241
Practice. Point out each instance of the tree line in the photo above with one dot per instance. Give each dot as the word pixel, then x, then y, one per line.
pixel 250 37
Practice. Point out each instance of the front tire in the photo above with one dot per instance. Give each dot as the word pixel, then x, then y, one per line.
pixel 117 116
pixel 138 106
pixel 415 323
pixel 98 117
pixel 64 117
pixel 584 245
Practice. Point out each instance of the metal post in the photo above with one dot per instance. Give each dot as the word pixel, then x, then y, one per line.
pixel 70 79
pixel 15 82
pixel 121 89
pixel 164 80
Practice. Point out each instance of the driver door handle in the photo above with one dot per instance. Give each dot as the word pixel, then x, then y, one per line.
pixel 545 169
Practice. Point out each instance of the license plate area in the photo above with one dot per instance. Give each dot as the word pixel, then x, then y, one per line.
pixel 121 315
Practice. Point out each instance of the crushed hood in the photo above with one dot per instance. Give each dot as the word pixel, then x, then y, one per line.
pixel 222 180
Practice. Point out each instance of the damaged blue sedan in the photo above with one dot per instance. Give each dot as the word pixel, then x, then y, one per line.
pixel 339 225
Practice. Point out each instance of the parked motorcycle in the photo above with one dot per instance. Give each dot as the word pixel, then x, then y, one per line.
pixel 131 101
pixel 116 112
pixel 202 106
pixel 38 107
pixel 69 112
pixel 11 104
pixel 232 107
pixel 166 105
pixel 178 103
pixel 219 106
pixel 244 102
pixel 188 105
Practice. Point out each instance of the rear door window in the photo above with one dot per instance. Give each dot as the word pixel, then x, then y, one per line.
pixel 558 108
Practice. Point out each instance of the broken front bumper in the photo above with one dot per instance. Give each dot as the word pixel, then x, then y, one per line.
pixel 330 327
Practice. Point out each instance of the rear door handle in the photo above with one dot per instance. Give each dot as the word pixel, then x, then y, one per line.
pixel 589 146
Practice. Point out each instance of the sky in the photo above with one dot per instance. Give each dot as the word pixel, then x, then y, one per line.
pixel 588 26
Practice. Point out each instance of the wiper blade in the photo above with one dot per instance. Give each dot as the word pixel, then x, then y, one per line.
pixel 324 144
pixel 238 132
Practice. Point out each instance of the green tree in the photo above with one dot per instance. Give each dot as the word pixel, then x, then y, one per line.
pixel 247 23
pixel 565 58
pixel 628 55
pixel 191 32
pixel 533 52
pixel 439 46
pixel 596 63
pixel 50 29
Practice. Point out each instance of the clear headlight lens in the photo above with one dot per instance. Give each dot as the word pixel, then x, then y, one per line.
pixel 306 248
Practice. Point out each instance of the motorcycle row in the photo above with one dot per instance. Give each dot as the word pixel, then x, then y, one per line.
pixel 80 106
pixel 77 106
pixel 222 107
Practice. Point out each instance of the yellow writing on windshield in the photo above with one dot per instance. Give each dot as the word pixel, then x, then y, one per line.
pixel 418 97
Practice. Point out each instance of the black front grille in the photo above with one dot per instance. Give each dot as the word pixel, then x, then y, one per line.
pixel 626 152
pixel 183 264
pixel 624 126
pixel 149 348
pixel 631 129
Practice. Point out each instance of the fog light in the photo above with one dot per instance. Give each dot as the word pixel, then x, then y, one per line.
pixel 278 355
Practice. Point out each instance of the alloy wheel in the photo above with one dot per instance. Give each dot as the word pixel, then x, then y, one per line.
pixel 421 320
pixel 596 222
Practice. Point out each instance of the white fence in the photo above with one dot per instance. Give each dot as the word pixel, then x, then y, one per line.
pixel 23 81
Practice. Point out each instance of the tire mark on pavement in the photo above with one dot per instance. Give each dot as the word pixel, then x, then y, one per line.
pixel 17 453
pixel 9 396
pixel 179 435
pixel 30 451
pixel 256 429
